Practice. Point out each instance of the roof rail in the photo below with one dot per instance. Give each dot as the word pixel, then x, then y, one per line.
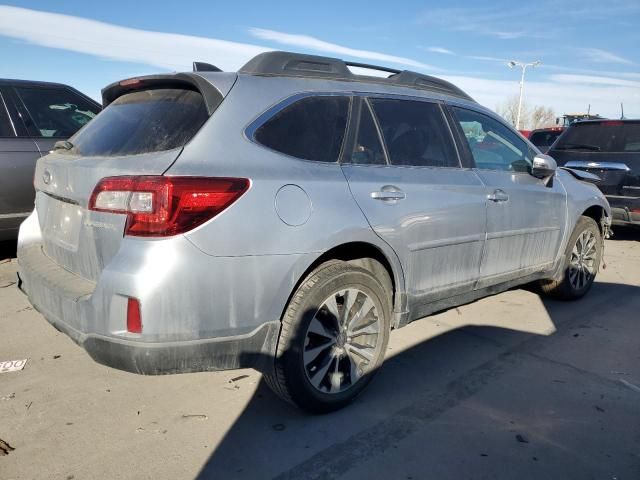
pixel 312 66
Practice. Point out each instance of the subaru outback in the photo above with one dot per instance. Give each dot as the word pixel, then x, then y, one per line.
pixel 288 216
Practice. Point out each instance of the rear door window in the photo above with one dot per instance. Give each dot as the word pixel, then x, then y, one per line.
pixel 415 133
pixel 6 130
pixel 367 147
pixel 608 136
pixel 493 145
pixel 631 137
pixel 143 122
pixel 55 112
pixel 311 128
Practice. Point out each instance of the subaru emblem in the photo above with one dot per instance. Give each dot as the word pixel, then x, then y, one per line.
pixel 46 177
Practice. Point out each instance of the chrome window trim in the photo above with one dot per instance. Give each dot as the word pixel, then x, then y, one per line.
pixel 250 130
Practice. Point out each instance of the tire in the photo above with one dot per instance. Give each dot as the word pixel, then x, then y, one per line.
pixel 579 272
pixel 321 365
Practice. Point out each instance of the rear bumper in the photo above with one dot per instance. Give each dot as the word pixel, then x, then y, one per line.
pixel 251 350
pixel 625 210
pixel 199 312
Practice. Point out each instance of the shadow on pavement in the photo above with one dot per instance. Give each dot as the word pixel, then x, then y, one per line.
pixel 626 233
pixel 8 249
pixel 415 386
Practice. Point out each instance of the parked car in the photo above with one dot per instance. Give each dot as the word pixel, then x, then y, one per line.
pixel 286 217
pixel 609 149
pixel 525 133
pixel 33 116
pixel 543 138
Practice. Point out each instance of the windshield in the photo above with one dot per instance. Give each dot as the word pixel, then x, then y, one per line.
pixel 142 122
pixel 609 136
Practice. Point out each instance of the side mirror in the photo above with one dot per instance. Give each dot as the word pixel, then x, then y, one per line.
pixel 544 166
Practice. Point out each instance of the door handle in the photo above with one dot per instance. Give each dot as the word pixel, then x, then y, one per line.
pixel 388 195
pixel 498 196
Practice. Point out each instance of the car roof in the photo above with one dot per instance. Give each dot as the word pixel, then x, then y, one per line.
pixel 607 120
pixel 288 64
pixel 548 129
pixel 31 83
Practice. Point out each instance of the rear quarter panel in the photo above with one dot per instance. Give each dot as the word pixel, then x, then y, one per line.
pixel 293 207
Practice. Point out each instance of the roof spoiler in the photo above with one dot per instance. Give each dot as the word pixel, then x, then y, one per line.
pixel 187 81
pixel 205 67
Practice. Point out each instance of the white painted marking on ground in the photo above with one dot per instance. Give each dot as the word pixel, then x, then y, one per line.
pixel 12 365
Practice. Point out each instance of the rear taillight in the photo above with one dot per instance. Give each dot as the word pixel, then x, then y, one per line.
pixel 159 206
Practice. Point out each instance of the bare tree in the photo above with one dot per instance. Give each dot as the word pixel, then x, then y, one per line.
pixel 541 117
pixel 538 117
pixel 509 111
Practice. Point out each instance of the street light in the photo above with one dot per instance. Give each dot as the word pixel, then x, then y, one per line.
pixel 513 64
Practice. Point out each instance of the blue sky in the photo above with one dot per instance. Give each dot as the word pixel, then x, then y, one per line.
pixel 589 49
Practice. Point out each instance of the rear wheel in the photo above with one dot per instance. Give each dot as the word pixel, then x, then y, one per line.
pixel 582 258
pixel 333 338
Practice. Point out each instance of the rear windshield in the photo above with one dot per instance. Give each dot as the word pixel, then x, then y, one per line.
pixel 544 139
pixel 142 122
pixel 612 136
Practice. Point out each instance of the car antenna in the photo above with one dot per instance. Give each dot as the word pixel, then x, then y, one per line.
pixel 621 111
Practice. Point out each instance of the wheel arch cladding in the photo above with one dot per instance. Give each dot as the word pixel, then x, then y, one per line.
pixel 596 212
pixel 353 252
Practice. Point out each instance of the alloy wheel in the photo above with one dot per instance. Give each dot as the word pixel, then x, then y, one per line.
pixel 582 264
pixel 342 341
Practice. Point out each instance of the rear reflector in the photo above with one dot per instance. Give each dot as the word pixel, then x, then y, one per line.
pixel 159 206
pixel 134 319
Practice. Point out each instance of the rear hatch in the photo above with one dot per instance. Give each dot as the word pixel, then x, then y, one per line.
pixel 609 149
pixel 142 131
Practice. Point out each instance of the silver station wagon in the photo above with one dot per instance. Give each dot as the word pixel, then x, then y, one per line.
pixel 288 216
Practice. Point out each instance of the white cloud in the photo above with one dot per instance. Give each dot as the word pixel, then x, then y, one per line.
pixel 312 43
pixel 444 51
pixel 486 59
pixel 563 95
pixel 167 50
pixel 594 80
pixel 602 56
pixel 604 91
pixel 484 20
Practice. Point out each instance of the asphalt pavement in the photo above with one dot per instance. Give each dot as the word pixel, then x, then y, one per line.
pixel 511 386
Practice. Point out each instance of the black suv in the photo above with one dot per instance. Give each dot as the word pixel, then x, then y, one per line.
pixel 33 117
pixel 611 150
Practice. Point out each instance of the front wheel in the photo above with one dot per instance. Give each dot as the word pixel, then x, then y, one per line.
pixel 333 337
pixel 582 258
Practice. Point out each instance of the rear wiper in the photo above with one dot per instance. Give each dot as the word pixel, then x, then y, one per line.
pixel 63 145
pixel 578 146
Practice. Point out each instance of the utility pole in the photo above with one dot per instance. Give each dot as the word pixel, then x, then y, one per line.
pixel 523 66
